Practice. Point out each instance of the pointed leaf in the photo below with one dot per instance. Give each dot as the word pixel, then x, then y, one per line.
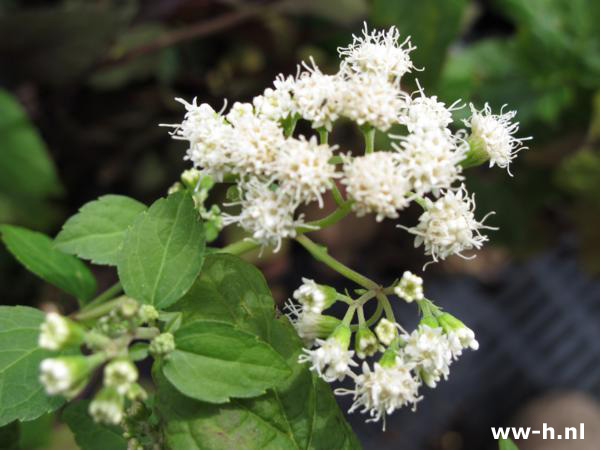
pixel 163 251
pixel 96 232
pixel 214 362
pixel 37 253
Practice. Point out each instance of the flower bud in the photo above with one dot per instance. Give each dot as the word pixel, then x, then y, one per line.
pixel 386 331
pixel 175 187
pixel 410 287
pixel 67 375
pixel 342 334
pixel 128 308
pixel 190 178
pixel 430 321
pixel 120 374
pixel 456 330
pixel 315 297
pixel 389 358
pixel 162 344
pixel 136 393
pixel 58 332
pixel 147 313
pixel 107 406
pixel 365 343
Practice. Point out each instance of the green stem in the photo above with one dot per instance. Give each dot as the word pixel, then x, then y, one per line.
pixel 320 254
pixel 146 332
pixel 361 316
pixel 325 222
pixel 374 318
pixel 100 310
pixel 338 197
pixel 323 135
pixel 239 247
pixel 111 292
pixel 387 307
pixel 347 320
pixel 369 133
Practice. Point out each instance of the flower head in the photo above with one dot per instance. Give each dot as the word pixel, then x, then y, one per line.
pixel 366 343
pixel 410 287
pixel 67 375
pixel 314 297
pixel 386 331
pixel 378 52
pixel 424 113
pixel 162 344
pixel 276 103
pixel 494 135
pixel 120 374
pixel 376 184
pixel 57 331
pixel 303 169
pixel 310 325
pixel 383 390
pixel 459 336
pixel 448 226
pixel 107 406
pixel 430 159
pixel 429 349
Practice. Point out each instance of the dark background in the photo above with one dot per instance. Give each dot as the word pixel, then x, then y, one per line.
pixel 95 79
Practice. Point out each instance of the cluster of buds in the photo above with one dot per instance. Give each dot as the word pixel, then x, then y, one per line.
pixel 108 343
pixel 276 172
pixel 407 361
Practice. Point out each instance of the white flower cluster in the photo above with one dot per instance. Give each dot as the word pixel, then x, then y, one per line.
pixel 253 143
pixel 410 287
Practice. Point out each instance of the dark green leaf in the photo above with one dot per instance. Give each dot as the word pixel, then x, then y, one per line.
pixel 233 291
pixel 507 444
pixel 22 397
pixel 96 232
pixel 90 435
pixel 432 24
pixel 37 253
pixel 9 436
pixel 300 413
pixel 25 166
pixel 214 362
pixel 163 251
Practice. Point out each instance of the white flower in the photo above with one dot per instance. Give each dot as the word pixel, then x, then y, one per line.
pixel 67 374
pixel 56 331
pixel 371 99
pixel 309 325
pixel 448 226
pixel 331 359
pixel 378 52
pixel 459 336
pixel 311 296
pixel 316 96
pixel 255 141
pixel 494 133
pixel 366 343
pixel 376 184
pixel 302 166
pixel 429 349
pixel 383 390
pixel 424 113
pixel 386 331
pixel 278 103
pixel 267 214
pixel 410 287
pixel 107 406
pixel 430 159
pixel 120 374
pixel 209 136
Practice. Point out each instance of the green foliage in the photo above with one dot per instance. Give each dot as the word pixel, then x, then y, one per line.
pixel 90 435
pixel 96 232
pixel 230 290
pixel 9 436
pixel 579 174
pixel 298 413
pixel 163 251
pixel 214 362
pixel 22 397
pixel 37 253
pixel 506 444
pixel 432 25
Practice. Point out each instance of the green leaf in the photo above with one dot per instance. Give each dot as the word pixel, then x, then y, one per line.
pixel 300 413
pixel 90 435
pixel 9 436
pixel 163 251
pixel 214 362
pixel 97 231
pixel 22 397
pixel 37 253
pixel 432 24
pixel 230 290
pixel 506 444
pixel 26 169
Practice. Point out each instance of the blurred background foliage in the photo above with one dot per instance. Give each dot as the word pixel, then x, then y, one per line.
pixel 86 83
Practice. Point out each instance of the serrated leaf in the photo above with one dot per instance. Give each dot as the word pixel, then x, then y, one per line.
pixel 230 290
pixel 214 362
pixel 90 435
pixel 26 169
pixel 97 231
pixel 163 251
pixel 507 444
pixel 37 253
pixel 22 397
pixel 300 413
